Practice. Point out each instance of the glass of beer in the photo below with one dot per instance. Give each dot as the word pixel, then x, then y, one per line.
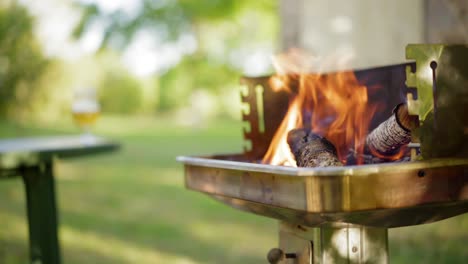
pixel 85 110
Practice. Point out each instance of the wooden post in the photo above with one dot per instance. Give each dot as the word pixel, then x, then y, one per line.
pixel 446 21
pixel 291 26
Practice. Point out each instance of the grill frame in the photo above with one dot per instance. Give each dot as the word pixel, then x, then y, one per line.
pixel 378 195
pixel 342 214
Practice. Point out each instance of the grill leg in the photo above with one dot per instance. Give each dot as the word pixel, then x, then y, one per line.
pixel 42 214
pixel 343 243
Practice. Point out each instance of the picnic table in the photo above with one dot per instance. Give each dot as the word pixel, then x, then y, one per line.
pixel 33 160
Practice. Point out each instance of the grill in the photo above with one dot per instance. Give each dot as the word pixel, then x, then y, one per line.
pixel 341 214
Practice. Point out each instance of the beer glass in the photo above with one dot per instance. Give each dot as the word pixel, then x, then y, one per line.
pixel 85 109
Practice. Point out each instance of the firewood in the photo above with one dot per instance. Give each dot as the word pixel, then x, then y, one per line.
pixel 395 132
pixel 312 150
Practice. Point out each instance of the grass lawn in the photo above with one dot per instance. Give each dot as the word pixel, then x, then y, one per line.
pixel 131 206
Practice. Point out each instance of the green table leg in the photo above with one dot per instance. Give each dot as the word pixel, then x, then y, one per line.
pixel 42 214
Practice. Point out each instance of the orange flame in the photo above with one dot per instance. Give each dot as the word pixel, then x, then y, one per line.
pixel 334 105
pixel 400 153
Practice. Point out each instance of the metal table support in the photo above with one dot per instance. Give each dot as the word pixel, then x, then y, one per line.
pixel 42 213
pixel 33 159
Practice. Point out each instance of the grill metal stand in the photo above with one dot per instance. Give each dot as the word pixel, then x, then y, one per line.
pixel 341 243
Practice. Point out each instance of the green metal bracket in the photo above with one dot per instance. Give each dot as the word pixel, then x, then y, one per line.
pixel 441 82
pixel 422 79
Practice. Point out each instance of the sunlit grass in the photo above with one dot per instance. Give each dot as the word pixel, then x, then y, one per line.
pixel 131 206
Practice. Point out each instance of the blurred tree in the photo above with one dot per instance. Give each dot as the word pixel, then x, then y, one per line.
pixel 222 28
pixel 193 72
pixel 120 93
pixel 21 59
pixel 172 17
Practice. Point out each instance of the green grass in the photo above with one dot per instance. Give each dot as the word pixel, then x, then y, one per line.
pixel 131 206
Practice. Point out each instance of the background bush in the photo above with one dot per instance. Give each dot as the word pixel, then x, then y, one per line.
pixel 21 60
pixel 120 93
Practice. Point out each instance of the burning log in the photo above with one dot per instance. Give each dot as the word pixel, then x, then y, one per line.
pixel 388 137
pixel 312 150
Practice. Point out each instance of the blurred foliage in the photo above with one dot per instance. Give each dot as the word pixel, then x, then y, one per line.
pixel 21 60
pixel 173 17
pixel 33 87
pixel 224 30
pixel 120 93
pixel 192 72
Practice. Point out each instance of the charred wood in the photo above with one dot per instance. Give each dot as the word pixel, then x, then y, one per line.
pixel 312 150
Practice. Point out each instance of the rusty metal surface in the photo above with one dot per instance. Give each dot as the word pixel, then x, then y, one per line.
pixel 263 112
pixel 383 195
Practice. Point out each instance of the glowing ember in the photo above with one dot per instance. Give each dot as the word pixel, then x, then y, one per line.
pixel 398 155
pixel 334 105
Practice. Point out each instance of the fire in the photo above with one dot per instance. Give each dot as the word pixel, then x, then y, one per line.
pixel 333 105
pixel 400 153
